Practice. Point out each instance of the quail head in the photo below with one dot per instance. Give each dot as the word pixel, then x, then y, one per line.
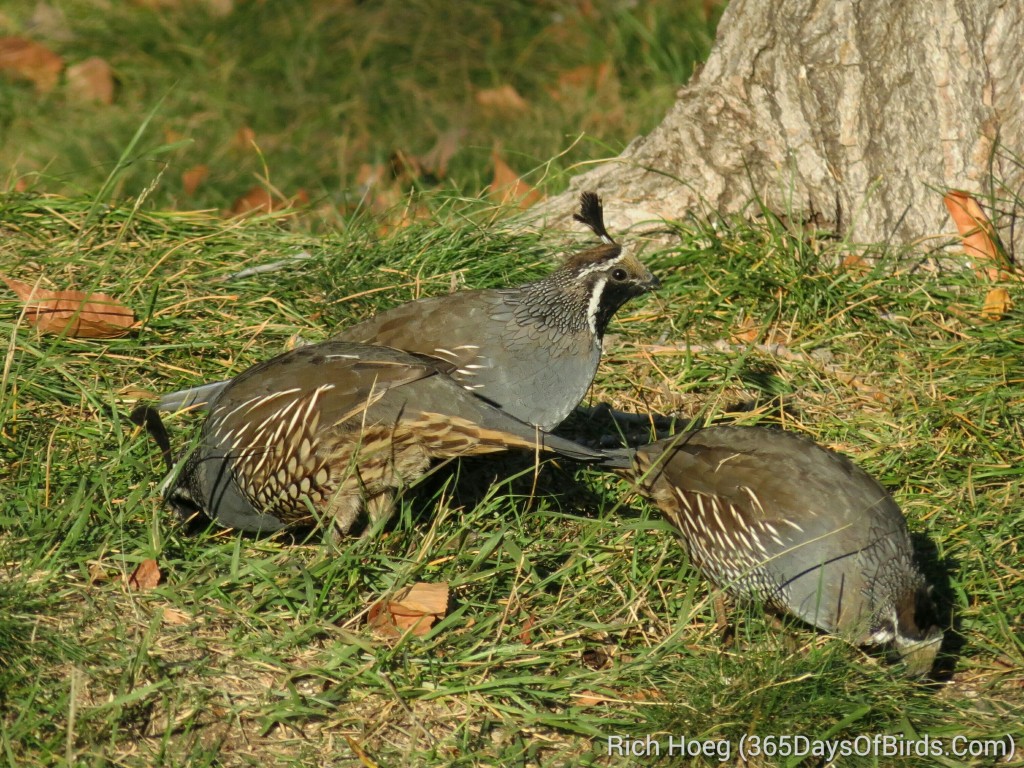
pixel 773 516
pixel 533 349
pixel 314 433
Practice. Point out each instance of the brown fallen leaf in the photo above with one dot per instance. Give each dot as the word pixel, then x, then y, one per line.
pixel 97 573
pixel 73 313
pixel 173 136
pixel 435 160
pixel 981 244
pixel 381 188
pixel 31 61
pixel 255 199
pixel 855 263
pixel 405 168
pixel 586 76
pixel 596 658
pixel 216 8
pixel 747 331
pixel 260 200
pixel 504 98
pixel 175 617
pixel 145 576
pixel 193 177
pixel 997 304
pixel 508 187
pixel 414 609
pixel 50 23
pixel 526 633
pixel 245 138
pixel 589 699
pixel 91 80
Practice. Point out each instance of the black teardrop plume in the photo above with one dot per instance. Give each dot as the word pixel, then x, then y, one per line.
pixel 592 214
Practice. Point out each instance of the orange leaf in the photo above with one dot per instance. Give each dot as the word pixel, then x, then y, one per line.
pixel 507 187
pixel 978 234
pixel 369 175
pixel 91 80
pixel 855 263
pixel 193 177
pixel 216 8
pixel 259 200
pixel 414 609
pixel 405 168
pixel 145 576
pixel 526 633
pixel 997 304
pixel 590 699
pixel 73 313
pixel 31 61
pixel 97 573
pixel 176 617
pixel 502 99
pixel 586 76
pixel 746 332
pixel 255 199
pixel 244 139
pixel 435 160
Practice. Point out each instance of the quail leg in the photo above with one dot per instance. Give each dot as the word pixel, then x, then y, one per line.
pixel 379 509
pixel 343 511
pixel 726 631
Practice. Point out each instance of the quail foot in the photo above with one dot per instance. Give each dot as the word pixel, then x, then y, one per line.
pixel 316 432
pixel 773 516
pixel 533 349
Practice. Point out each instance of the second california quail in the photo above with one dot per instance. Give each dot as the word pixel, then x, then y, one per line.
pixel 315 432
pixel 533 349
pixel 769 515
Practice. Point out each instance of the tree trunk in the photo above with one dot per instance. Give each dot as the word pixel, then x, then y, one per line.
pixel 856 114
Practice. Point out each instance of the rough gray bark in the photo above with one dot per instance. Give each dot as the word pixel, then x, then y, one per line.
pixel 857 114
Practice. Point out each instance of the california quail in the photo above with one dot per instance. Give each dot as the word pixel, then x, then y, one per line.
pixel 313 433
pixel 533 350
pixel 773 516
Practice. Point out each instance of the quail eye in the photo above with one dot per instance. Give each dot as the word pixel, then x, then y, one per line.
pixel 619 274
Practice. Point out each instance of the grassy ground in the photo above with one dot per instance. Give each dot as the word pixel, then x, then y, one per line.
pixel 255 650
pixel 314 96
pixel 575 615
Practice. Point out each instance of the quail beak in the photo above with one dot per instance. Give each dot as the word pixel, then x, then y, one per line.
pixel 651 282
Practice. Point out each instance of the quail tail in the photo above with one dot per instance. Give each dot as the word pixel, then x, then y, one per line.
pixel 195 397
pixel 617 458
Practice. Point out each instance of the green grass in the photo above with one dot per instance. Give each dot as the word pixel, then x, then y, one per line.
pixel 328 87
pixel 255 651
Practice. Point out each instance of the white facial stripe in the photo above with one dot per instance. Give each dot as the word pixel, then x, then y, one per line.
pixel 598 266
pixel 595 303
